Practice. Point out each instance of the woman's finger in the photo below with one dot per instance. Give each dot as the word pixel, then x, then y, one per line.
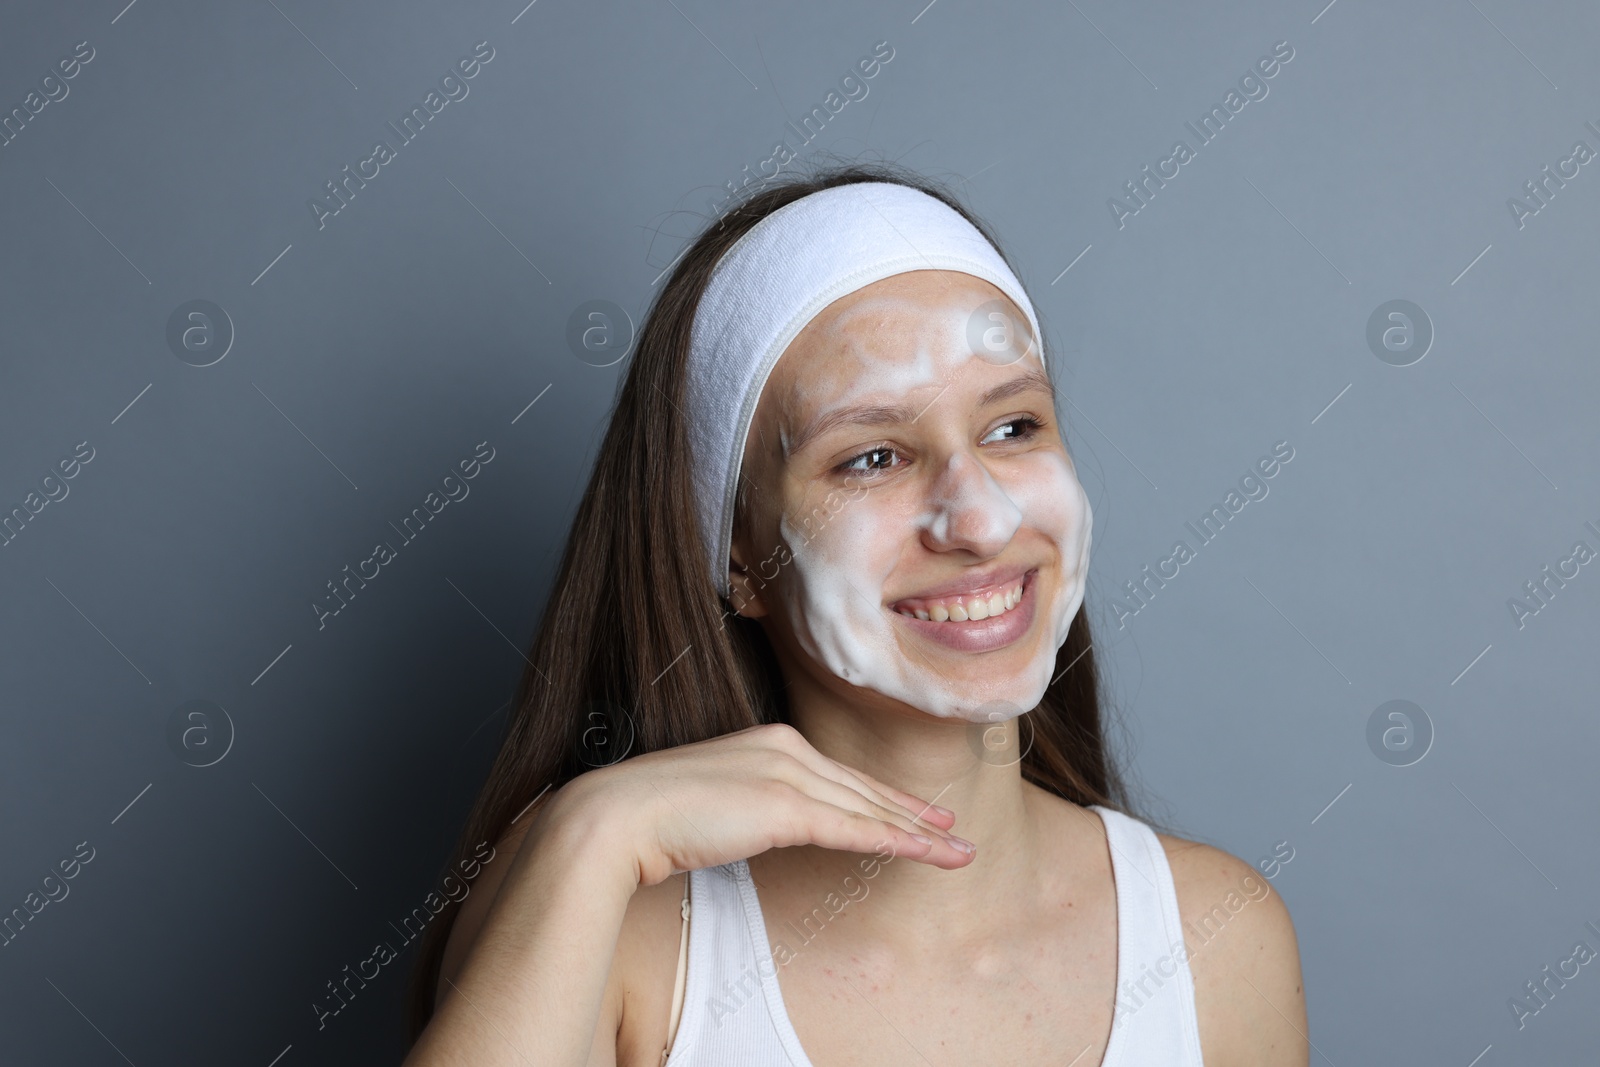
pixel 914 808
pixel 843 796
pixel 818 822
pixel 924 810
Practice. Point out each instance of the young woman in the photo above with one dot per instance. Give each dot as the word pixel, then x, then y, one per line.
pixel 824 594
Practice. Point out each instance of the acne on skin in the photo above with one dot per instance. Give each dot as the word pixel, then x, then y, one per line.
pixel 836 603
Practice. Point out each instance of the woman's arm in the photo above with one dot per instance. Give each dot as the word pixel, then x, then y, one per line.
pixel 534 984
pixel 526 974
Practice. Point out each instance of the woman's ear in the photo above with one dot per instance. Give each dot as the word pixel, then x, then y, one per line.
pixel 744 592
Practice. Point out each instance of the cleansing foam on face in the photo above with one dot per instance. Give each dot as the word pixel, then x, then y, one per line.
pixel 836 591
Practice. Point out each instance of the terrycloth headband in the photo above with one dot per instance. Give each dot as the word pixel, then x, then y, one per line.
pixel 779 276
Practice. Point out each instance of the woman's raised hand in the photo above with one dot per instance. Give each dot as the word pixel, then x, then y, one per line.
pixel 534 951
pixel 736 796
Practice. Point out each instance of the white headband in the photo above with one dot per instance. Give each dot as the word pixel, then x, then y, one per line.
pixel 774 280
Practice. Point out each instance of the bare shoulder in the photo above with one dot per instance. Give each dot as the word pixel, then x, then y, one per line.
pixel 638 1001
pixel 1244 957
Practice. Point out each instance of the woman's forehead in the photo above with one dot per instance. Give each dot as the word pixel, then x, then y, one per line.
pixel 895 335
pixel 913 299
pixel 906 319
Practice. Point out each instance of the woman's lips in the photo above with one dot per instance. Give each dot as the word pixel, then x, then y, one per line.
pixel 984 635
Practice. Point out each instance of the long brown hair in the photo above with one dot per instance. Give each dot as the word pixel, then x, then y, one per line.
pixel 634 622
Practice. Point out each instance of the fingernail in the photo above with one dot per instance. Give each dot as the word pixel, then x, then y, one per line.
pixel 921 840
pixel 963 844
pixel 942 811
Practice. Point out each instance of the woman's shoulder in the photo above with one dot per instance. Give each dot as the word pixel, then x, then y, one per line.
pixel 1243 955
pixel 1241 945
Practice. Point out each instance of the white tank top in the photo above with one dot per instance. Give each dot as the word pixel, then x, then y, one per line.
pixel 733 1013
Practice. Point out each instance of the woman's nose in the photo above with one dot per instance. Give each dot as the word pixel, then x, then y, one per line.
pixel 969 510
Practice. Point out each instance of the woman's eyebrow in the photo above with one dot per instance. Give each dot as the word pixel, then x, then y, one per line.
pixel 859 415
pixel 884 414
pixel 1030 379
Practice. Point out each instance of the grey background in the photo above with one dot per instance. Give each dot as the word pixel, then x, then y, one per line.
pixel 1230 313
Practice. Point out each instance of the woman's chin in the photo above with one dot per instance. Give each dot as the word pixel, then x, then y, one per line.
pixel 983 699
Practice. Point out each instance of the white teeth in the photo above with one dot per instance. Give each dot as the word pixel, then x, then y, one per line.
pixel 969 610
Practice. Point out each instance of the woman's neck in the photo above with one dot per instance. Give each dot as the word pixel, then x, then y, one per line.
pixel 972 769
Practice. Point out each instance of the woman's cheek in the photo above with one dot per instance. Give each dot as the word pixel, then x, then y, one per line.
pixel 833 592
pixel 1054 503
pixel 854 535
pixel 1046 489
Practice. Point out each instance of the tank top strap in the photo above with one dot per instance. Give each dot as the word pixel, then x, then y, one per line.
pixel 679 982
pixel 732 1007
pixel 1154 1020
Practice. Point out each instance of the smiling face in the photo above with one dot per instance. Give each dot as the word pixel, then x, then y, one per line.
pixel 913 525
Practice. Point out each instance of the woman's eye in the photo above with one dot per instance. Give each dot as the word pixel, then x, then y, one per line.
pixel 1020 429
pixel 881 457
pixel 875 459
